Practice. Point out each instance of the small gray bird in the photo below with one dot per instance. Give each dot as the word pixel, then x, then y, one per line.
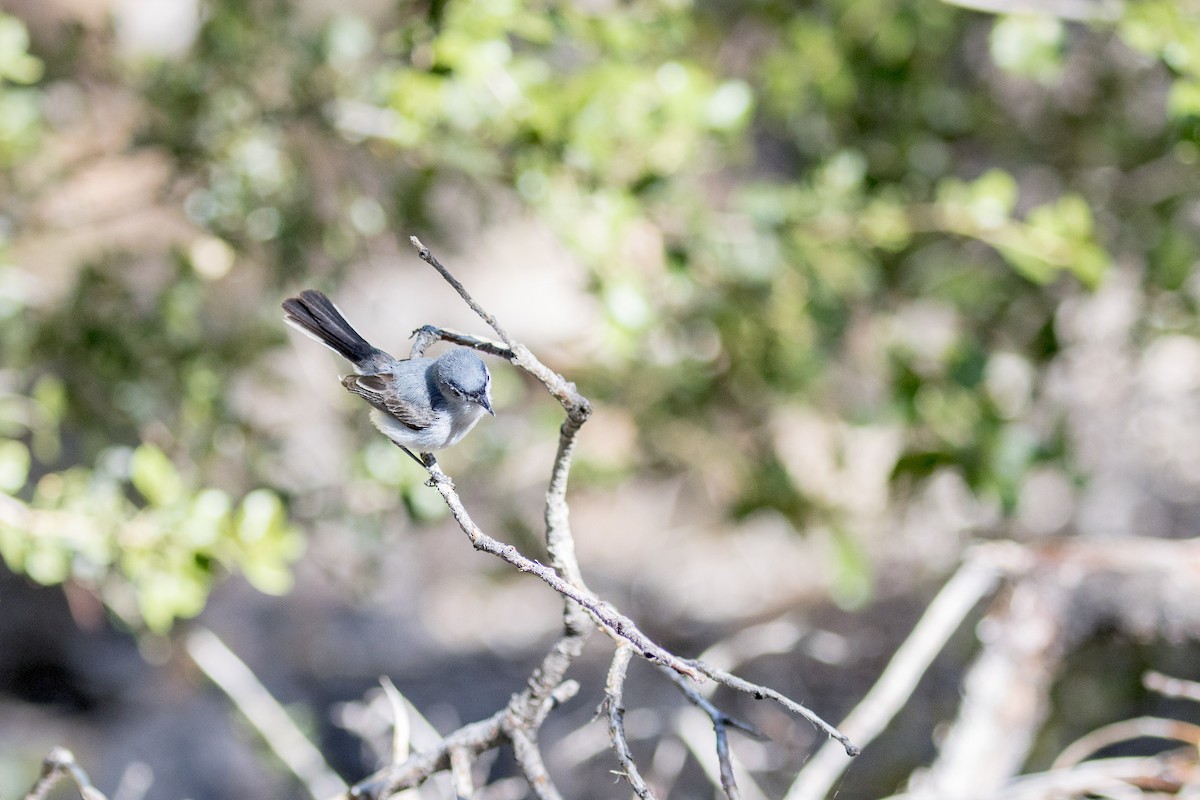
pixel 424 403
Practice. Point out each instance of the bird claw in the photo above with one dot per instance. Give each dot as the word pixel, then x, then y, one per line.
pixel 436 476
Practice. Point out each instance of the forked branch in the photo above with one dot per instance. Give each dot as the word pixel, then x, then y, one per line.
pixel 519 722
pixel 60 763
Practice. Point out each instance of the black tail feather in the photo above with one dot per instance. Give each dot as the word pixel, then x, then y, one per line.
pixel 316 315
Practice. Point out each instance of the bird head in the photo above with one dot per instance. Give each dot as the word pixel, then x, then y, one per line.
pixel 464 376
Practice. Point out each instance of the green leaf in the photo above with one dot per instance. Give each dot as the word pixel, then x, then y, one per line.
pixel 269 576
pixel 14 544
pixel 993 195
pixel 1029 45
pixel 852 580
pixel 167 595
pixel 14 466
pixel 15 62
pixel 208 517
pixel 48 562
pixel 1183 100
pixel 261 512
pixel 155 477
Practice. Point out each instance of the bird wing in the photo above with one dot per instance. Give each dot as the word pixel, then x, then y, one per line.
pixel 376 391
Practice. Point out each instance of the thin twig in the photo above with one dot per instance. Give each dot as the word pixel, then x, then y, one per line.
pixel 1126 730
pixel 430 259
pixel 401 724
pixel 475 738
pixel 616 624
pixel 265 713
pixel 776 637
pixel 721 723
pixel 1171 687
pixel 728 783
pixel 57 763
pixel 1166 772
pixel 697 698
pixel 544 690
pixel 614 689
pixel 428 334
pixel 692 732
pixel 529 759
pixel 576 405
pixel 767 693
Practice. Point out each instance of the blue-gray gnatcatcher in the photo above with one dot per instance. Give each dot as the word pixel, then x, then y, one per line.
pixel 424 403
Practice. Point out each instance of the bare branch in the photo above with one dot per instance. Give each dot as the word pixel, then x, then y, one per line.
pixel 267 716
pixel 1165 773
pixel 460 774
pixel 767 693
pixel 576 405
pixel 721 723
pixel 1125 730
pixel 697 698
pixel 618 625
pixel 475 738
pixel 727 780
pixel 519 722
pixel 426 335
pixel 61 762
pixel 529 759
pixel 1171 687
pixel 544 690
pixel 692 731
pixel 430 259
pixel 614 689
pixel 560 543
pixel 401 727
pixel 974 580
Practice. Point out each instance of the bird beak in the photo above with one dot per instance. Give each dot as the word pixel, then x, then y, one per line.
pixel 486 402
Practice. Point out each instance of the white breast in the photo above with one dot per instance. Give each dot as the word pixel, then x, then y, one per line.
pixel 450 426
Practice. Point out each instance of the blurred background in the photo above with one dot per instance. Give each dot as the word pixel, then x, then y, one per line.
pixel 851 285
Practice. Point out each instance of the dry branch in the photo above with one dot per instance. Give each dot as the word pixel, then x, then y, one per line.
pixel 721 723
pixel 518 723
pixel 57 764
pixel 1160 775
pixel 1058 596
pixel 614 690
pixel 264 712
pixel 1171 687
pixel 974 580
pixel 1142 587
pixel 1123 731
pixel 618 625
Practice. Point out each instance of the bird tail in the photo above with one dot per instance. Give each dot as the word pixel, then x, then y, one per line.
pixel 315 315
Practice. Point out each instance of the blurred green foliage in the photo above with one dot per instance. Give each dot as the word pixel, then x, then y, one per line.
pixel 19 115
pixel 153 557
pixel 869 208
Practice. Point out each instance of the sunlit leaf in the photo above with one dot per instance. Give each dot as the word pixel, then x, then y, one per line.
pixel 14 465
pixel 155 477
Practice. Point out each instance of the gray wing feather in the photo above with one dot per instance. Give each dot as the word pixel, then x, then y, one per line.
pixel 376 390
